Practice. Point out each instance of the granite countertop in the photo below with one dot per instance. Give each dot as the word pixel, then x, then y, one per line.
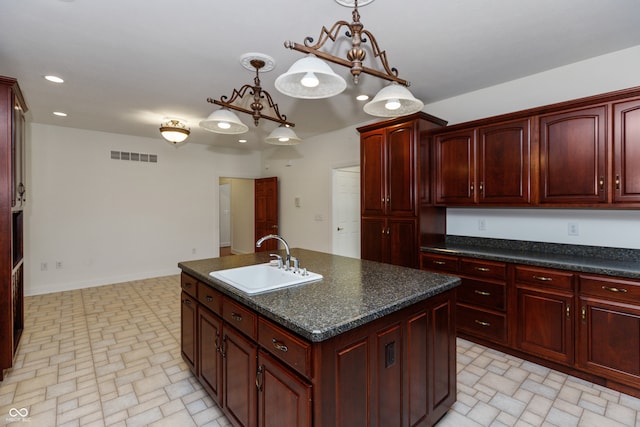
pixel 352 292
pixel 608 261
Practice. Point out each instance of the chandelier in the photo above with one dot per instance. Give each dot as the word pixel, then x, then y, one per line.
pixel 252 100
pixel 312 78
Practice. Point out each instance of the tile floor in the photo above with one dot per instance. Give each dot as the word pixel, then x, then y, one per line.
pixel 110 356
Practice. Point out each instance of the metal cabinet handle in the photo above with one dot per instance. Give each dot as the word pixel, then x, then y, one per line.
pixel 601 182
pixel 439 262
pixel 543 278
pixel 279 345
pixel 259 378
pixel 481 187
pixel 187 301
pixel 617 182
pixel 209 298
pixel 483 269
pixel 610 289
pixel 237 317
pixel 483 293
pixel 584 313
pixel 481 323
pixel 568 311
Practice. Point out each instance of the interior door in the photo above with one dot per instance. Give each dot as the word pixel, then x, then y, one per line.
pixel 266 212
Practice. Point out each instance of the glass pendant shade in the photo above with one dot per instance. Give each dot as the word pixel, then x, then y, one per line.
pixel 393 100
pixel 224 121
pixel 283 135
pixel 310 78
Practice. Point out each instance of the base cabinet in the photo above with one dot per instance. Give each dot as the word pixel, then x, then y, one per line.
pixel 609 328
pixel 398 370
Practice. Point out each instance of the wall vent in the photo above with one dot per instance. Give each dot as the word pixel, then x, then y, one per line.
pixel 134 157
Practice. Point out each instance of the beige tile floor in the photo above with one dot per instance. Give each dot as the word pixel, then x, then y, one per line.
pixel 110 356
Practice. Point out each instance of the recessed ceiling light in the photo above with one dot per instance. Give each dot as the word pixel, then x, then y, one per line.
pixel 242 141
pixel 59 114
pixel 362 97
pixel 54 79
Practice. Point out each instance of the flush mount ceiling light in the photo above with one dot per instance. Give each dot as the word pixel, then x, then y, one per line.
pixel 174 131
pixel 226 121
pixel 306 80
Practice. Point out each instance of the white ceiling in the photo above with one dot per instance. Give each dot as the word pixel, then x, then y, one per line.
pixel 128 64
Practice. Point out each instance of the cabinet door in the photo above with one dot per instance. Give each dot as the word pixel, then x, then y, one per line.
pixel 573 157
pixel 455 169
pixel 373 172
pixel 545 324
pixel 503 163
pixel 188 330
pixel 401 173
pixel 17 154
pixel 283 398
pixel 239 376
pixel 610 339
pixel 210 361
pixel 401 239
pixel 626 151
pixel 372 239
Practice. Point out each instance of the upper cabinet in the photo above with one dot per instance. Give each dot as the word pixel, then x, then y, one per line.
pixel 484 165
pixel 580 153
pixel 626 152
pixel 573 156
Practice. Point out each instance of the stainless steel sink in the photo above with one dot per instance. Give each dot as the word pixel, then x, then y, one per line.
pixel 259 278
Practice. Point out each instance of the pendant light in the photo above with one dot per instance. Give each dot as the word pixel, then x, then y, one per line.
pixel 282 135
pixel 310 78
pixel 393 100
pixel 224 121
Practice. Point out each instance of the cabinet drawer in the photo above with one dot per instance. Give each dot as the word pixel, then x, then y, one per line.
pixel 210 298
pixel 483 324
pixel 444 263
pixel 616 289
pixel 485 294
pixel 240 318
pixel 282 344
pixel 544 277
pixel 481 268
pixel 189 284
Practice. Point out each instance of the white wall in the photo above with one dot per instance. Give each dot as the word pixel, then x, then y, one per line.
pixel 305 171
pixel 108 220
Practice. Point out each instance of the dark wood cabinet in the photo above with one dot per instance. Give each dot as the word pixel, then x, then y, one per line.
pixel 188 329
pixel 12 217
pixel 394 186
pixel 573 156
pixel 485 165
pixel 609 328
pixel 390 240
pixel 626 152
pixel 396 370
pixel 545 313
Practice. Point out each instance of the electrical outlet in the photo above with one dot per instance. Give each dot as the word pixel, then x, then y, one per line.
pixel 44 266
pixel 482 224
pixel 193 251
pixel 573 229
pixel 58 265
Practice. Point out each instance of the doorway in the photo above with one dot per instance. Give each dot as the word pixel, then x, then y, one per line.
pixel 236 217
pixel 346 211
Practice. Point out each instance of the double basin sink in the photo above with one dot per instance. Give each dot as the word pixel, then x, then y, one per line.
pixel 259 278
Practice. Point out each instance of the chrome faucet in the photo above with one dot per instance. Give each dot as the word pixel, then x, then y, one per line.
pixel 287 262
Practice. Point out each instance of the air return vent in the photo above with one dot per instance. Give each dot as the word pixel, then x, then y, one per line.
pixel 134 157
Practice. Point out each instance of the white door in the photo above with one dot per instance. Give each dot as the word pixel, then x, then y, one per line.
pixel 346 211
pixel 225 215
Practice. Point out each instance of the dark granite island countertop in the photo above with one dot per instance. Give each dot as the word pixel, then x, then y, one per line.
pixel 352 292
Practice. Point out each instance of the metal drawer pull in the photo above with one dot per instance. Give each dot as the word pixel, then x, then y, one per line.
pixel 236 317
pixel 209 298
pixel 543 279
pixel 610 289
pixel 481 323
pixel 485 269
pixel 259 378
pixel 483 293
pixel 188 302
pixel 439 262
pixel 279 346
pixel 568 311
pixel 584 313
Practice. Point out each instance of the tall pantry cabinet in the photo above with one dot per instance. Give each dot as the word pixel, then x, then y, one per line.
pixel 395 181
pixel 12 200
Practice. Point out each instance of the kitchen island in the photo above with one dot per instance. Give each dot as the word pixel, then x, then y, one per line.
pixel 371 344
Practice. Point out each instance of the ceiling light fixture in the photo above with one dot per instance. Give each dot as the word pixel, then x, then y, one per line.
pixel 175 132
pixel 54 79
pixel 282 135
pixel 226 121
pixel 295 82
